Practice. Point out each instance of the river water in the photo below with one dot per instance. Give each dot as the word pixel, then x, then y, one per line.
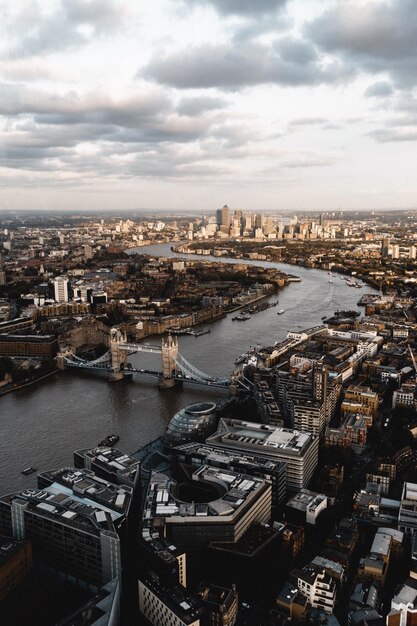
pixel 42 425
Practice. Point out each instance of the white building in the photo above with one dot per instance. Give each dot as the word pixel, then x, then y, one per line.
pixel 298 450
pixel 407 519
pixel 404 604
pixel 162 606
pixel 61 289
pixel 318 587
pixel 309 504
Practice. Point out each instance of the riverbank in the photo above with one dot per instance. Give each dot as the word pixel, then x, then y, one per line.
pixel 15 386
pixel 250 302
pixel 185 249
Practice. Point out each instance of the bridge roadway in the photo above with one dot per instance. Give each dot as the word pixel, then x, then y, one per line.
pixel 217 384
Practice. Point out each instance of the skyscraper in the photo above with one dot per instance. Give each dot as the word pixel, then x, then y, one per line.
pixel 61 289
pixel 223 217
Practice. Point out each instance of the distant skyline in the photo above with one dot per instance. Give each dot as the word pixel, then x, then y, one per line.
pixel 267 105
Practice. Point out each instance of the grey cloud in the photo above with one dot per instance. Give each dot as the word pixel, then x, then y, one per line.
pixel 29 70
pixel 309 161
pixel 115 132
pixel 247 8
pixel 286 61
pixel 378 36
pixel 103 15
pixel 95 107
pixel 148 115
pixel 199 104
pixel 33 32
pixel 380 89
pixel 387 135
pixel 332 126
pixel 264 24
pixel 308 121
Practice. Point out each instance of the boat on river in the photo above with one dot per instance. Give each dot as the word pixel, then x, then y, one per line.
pixel 280 312
pixel 177 330
pixel 241 318
pixel 28 470
pixel 109 441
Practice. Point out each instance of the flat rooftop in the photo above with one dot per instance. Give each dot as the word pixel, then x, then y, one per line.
pixel 85 484
pixel 236 487
pixel 235 493
pixel 222 458
pixel 305 499
pixel 285 441
pixel 407 593
pixel 59 504
pixel 112 459
pixel 177 598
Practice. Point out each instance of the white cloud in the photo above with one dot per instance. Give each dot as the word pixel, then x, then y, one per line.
pixel 123 100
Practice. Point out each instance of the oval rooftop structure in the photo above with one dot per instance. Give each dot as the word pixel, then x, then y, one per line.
pixel 194 422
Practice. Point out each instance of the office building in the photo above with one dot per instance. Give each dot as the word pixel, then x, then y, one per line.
pixel 15 326
pixel 308 400
pixel 70 535
pixel 223 217
pixel 221 605
pixel 317 586
pixel 110 464
pixel 404 604
pixel 305 506
pixel 61 291
pixel 364 396
pixel 298 450
pixel 84 484
pixel 213 505
pixel 272 471
pixel 352 432
pixel 44 346
pixel 407 519
pixel 194 422
pixel 162 604
pixel 162 557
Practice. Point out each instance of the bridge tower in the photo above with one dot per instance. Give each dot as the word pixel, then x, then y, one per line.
pixel 118 356
pixel 169 356
pixel 60 360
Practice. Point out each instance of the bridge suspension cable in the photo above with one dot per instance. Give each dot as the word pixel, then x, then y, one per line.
pixel 76 360
pixel 187 369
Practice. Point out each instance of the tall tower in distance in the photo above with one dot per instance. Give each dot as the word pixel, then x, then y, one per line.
pixel 61 289
pixel 223 217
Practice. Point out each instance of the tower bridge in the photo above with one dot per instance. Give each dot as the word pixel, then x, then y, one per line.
pixel 175 367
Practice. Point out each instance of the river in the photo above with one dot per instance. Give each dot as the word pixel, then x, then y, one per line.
pixel 42 425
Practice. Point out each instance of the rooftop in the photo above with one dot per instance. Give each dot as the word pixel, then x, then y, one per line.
pixel 59 504
pixel 177 598
pixel 112 459
pixel 167 501
pixel 306 499
pixel 222 458
pixel 84 484
pixel 266 439
pixel 407 594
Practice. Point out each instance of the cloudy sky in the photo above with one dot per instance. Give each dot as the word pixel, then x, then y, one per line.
pixel 190 104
